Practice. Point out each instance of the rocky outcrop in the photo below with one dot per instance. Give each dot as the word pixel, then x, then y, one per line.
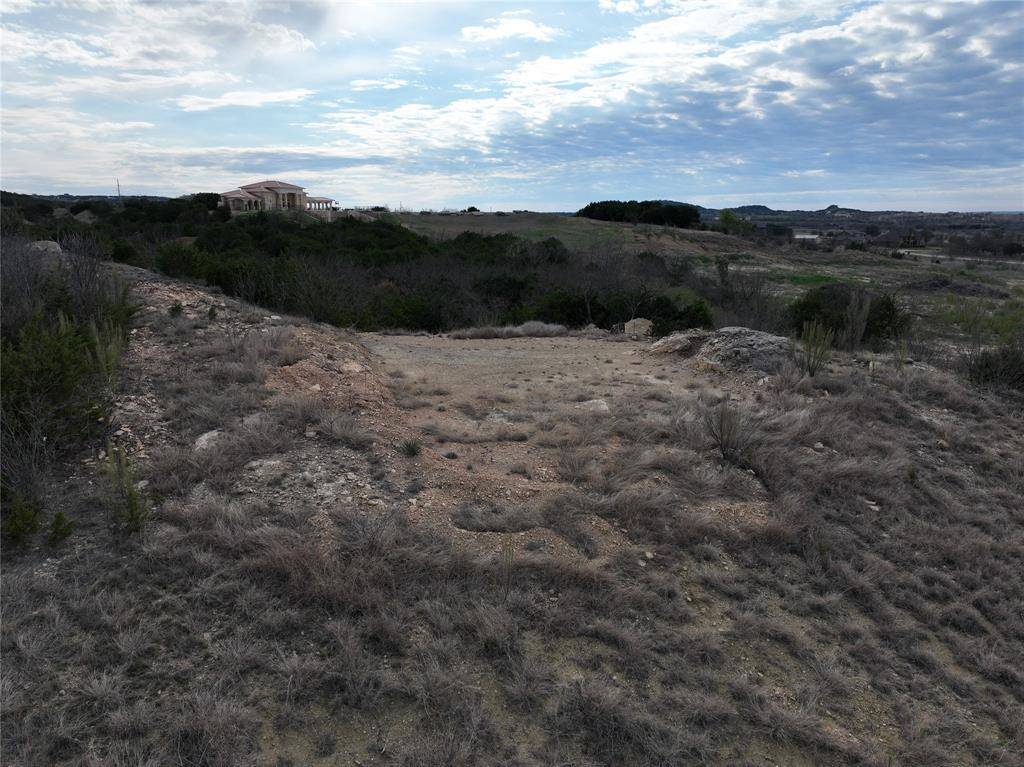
pixel 685 342
pixel 638 327
pixel 732 348
pixel 46 247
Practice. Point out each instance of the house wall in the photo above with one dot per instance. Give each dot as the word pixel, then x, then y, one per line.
pixel 272 200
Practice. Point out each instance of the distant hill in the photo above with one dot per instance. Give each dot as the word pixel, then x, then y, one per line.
pixel 854 219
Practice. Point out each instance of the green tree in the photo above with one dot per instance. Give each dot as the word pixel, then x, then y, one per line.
pixel 730 223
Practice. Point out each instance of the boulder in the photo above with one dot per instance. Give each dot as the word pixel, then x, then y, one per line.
pixel 46 247
pixel 638 327
pixel 207 440
pixel 684 342
pixel 732 348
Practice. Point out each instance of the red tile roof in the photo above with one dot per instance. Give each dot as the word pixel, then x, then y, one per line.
pixel 270 184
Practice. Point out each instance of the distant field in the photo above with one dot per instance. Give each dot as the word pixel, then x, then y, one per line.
pixel 577 233
pixel 786 267
pixel 940 290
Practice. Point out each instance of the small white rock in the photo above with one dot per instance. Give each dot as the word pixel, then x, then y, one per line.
pixel 206 440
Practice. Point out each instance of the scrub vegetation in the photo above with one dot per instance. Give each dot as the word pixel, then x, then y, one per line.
pixel 260 539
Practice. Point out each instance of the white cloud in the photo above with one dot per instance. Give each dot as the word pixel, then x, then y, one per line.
pixel 385 84
pixel 124 85
pixel 677 75
pixel 130 125
pixel 880 84
pixel 25 124
pixel 508 28
pixel 144 36
pixel 17 6
pixel 242 99
pixel 641 6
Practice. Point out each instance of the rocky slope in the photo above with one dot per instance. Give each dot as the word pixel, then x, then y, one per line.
pixel 417 550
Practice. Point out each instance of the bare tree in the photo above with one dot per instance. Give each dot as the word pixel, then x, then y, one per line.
pixel 23 274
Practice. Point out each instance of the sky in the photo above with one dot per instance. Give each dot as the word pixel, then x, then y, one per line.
pixel 543 106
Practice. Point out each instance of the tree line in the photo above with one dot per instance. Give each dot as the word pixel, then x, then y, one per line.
pixel 644 212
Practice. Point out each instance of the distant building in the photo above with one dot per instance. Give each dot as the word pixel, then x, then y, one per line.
pixel 277 195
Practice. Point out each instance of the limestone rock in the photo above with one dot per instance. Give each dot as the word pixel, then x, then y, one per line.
pixel 733 348
pixel 595 406
pixel 638 327
pixel 685 342
pixel 207 439
pixel 46 247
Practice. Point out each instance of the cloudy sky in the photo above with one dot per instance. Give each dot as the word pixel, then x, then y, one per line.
pixel 522 105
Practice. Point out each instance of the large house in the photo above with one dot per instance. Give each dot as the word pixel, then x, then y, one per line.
pixel 277 195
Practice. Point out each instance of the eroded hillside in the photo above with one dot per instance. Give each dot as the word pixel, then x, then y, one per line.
pixel 412 549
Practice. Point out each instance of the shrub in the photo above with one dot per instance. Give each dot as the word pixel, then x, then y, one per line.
pixel 839 307
pixel 749 300
pixel 53 397
pixel 412 447
pixel 887 318
pixel 817 345
pixel 730 430
pixel 855 320
pixel 177 260
pixel 825 305
pixel 526 330
pixel 669 318
pixel 124 251
pixel 128 507
pixel 998 366
pixel 21 519
pixel 63 329
pixel 61 527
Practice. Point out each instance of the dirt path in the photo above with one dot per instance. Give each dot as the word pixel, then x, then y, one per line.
pixel 494 415
pixel 527 372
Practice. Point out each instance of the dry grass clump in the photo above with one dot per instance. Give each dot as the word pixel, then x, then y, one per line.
pixel 816 347
pixel 656 515
pixel 730 429
pixel 278 345
pixel 503 433
pixel 566 514
pixel 411 448
pixel 616 729
pixel 257 436
pixel 174 470
pixel 1000 366
pixel 297 411
pixel 243 371
pixel 345 429
pixel 531 329
pixel 408 396
pixel 574 465
pixel 488 517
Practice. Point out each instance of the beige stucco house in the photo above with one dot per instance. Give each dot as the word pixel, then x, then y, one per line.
pixel 277 195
